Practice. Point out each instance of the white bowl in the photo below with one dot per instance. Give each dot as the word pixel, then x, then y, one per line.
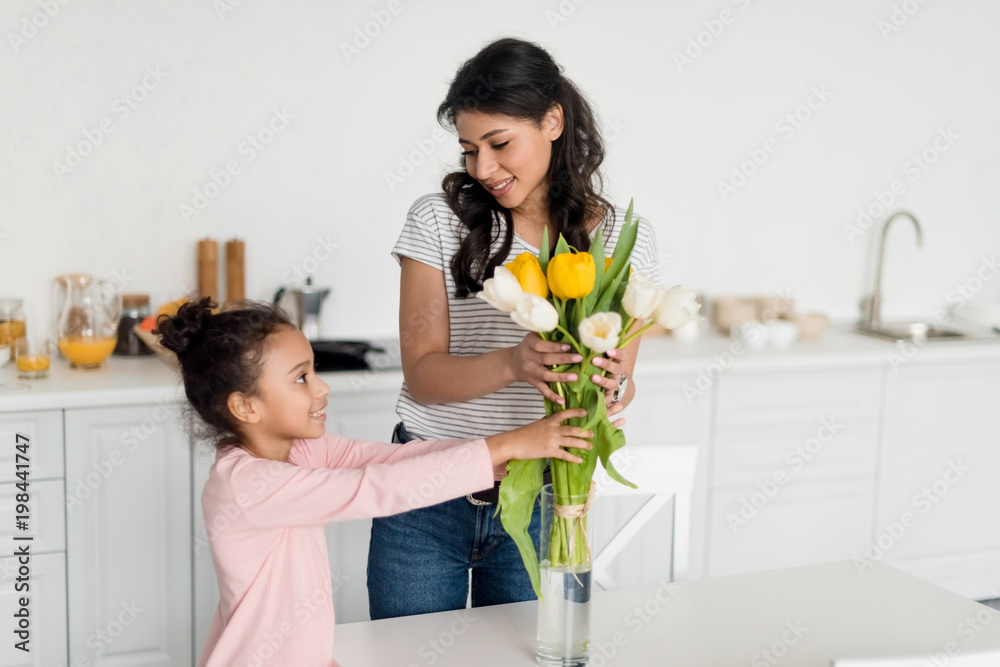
pixel 688 332
pixel 782 333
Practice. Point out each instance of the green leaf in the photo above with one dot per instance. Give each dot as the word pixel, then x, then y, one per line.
pixel 603 304
pixel 518 492
pixel 543 252
pixel 597 252
pixel 580 474
pixel 607 441
pixel 583 371
pixel 623 248
pixel 597 409
pixel 615 305
pixel 561 246
pixel 617 273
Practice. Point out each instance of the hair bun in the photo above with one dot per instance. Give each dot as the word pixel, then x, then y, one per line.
pixel 178 331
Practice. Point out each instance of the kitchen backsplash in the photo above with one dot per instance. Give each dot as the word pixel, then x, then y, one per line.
pixel 765 145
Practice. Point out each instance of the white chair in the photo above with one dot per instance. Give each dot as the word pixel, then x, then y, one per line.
pixel 665 473
pixel 988 659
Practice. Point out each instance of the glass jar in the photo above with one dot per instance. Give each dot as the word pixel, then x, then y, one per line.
pixel 135 308
pixel 565 566
pixel 12 323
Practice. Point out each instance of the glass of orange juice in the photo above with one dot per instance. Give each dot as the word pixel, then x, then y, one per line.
pixel 32 357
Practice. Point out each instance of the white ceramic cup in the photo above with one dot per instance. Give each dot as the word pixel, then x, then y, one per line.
pixel 783 333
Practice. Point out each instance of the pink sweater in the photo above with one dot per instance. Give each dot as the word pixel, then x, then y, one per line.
pixel 265 527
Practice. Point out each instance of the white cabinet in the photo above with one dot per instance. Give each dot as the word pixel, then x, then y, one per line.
pixel 44 428
pixel 206 585
pixel 128 481
pixel 47 610
pixel 940 462
pixel 792 464
pixel 801 524
pixel 800 396
pixel 47 518
pixel 832 447
pixel 46 525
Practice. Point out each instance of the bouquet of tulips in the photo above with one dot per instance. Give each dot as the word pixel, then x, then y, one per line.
pixel 590 302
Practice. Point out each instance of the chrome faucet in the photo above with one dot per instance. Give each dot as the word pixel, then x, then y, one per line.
pixel 871 307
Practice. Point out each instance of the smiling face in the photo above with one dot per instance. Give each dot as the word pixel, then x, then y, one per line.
pixel 509 156
pixel 291 396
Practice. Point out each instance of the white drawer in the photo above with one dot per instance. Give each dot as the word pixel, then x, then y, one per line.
pixel 47 608
pixel 802 396
pixel 799 525
pixel 832 447
pixel 44 429
pixel 46 517
pixel 661 414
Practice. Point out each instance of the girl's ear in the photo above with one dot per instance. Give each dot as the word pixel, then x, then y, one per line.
pixel 553 122
pixel 242 407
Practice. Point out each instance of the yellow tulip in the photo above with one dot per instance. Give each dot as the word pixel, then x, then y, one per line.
pixel 528 272
pixel 572 275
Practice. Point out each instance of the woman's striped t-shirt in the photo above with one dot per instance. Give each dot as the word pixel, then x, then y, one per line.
pixel 431 236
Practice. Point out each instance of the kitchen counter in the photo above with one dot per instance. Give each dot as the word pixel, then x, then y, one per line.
pixel 143 380
pixel 837 348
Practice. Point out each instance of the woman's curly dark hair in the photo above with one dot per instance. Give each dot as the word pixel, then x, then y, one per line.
pixel 219 354
pixel 519 79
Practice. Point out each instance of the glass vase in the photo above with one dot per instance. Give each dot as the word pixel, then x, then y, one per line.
pixel 566 562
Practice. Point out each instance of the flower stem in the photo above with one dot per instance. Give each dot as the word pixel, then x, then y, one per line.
pixel 635 335
pixel 568 335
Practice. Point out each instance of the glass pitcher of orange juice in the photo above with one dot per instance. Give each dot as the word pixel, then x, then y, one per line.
pixel 87 324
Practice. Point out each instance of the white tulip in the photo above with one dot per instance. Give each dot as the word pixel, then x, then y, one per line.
pixel 535 313
pixel 600 331
pixel 676 308
pixel 502 291
pixel 641 296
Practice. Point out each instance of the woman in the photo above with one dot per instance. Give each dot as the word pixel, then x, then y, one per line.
pixel 532 151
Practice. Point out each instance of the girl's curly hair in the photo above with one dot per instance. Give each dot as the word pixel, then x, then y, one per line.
pixel 219 354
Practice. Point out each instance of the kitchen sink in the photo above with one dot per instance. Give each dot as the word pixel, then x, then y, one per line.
pixel 915 332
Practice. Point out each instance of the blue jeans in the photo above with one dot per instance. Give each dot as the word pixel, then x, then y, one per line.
pixel 419 561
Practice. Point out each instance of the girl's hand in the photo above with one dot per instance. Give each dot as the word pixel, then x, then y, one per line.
pixel 541 439
pixel 531 357
pixel 615 367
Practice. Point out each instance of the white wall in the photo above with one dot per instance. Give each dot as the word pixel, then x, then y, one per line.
pixel 681 130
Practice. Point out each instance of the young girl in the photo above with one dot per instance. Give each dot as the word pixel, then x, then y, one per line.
pixel 278 477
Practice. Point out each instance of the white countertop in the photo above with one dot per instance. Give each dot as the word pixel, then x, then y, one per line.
pixel 837 348
pixel 139 380
pixel 807 615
